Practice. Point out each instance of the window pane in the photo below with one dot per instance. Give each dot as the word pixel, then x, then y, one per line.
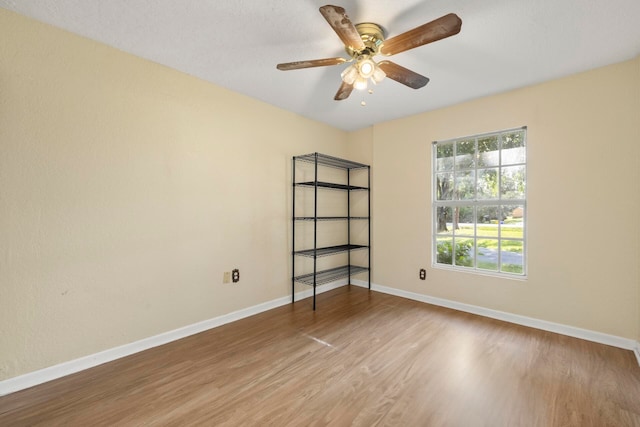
pixel 444 186
pixel 487 254
pixel 488 154
pixel 465 185
pixel 513 150
pixel 465 220
pixel 465 154
pixel 511 256
pixel 488 221
pixel 513 224
pixel 444 247
pixel 444 157
pixel 464 252
pixel 488 230
pixel 444 219
pixel 488 184
pixel 513 182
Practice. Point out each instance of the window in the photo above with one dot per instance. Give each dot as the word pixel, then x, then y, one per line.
pixel 479 203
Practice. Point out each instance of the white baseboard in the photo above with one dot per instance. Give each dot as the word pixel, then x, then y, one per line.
pixel 585 334
pixel 41 376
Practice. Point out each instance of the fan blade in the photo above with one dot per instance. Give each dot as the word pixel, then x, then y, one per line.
pixel 342 25
pixel 443 27
pixel 403 75
pixel 310 63
pixel 344 91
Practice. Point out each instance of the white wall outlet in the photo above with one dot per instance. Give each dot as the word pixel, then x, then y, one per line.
pixel 226 277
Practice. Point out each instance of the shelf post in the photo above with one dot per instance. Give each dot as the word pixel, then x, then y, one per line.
pixel 349 225
pixel 369 220
pixel 293 230
pixel 315 228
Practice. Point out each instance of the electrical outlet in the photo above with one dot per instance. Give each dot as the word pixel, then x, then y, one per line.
pixel 226 277
pixel 235 275
pixel 423 274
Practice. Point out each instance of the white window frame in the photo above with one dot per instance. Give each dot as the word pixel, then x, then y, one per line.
pixel 475 203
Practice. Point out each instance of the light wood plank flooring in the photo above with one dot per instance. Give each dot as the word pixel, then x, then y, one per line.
pixel 364 359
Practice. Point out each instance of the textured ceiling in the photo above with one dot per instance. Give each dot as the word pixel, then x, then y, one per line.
pixel 504 44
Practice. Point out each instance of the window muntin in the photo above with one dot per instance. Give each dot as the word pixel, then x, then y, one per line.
pixel 479 203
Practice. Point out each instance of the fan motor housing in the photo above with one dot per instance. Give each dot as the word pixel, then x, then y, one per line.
pixel 372 36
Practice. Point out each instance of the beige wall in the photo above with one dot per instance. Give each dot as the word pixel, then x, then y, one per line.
pixel 126 190
pixel 360 147
pixel 583 201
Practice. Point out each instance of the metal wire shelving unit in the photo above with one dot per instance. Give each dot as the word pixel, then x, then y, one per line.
pixel 320 277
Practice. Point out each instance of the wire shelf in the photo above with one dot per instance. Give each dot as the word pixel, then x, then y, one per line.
pixel 328 276
pixel 330 161
pixel 329 185
pixel 331 250
pixel 330 218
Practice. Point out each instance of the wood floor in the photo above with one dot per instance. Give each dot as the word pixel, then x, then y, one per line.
pixel 364 359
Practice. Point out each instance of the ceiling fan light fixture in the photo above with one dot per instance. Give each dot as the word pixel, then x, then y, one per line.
pixel 366 67
pixel 350 74
pixel 360 83
pixel 378 75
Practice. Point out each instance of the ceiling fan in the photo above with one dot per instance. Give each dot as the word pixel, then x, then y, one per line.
pixel 364 41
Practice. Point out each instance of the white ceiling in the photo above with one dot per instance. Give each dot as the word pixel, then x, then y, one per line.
pixel 504 44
